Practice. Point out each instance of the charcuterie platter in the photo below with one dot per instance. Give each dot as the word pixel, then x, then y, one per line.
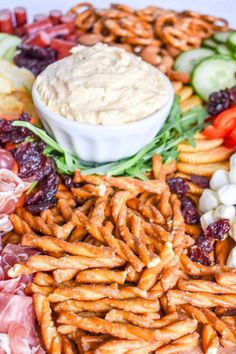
pixel 117 181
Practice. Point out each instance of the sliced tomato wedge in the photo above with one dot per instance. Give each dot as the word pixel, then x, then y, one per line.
pixel 214 133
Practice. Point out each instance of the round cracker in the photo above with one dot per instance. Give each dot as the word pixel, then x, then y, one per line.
pixel 220 153
pixel 201 145
pixel 194 188
pixel 202 169
pixel 183 175
pixel 200 136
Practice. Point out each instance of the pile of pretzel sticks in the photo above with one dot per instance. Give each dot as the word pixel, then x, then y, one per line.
pixel 157 34
pixel 114 275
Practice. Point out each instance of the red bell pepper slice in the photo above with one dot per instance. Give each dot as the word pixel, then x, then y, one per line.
pixel 230 140
pixel 214 133
pixel 226 120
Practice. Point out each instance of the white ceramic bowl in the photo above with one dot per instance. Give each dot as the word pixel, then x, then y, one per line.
pixel 97 143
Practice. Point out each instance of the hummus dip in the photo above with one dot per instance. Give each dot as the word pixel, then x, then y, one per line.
pixel 102 85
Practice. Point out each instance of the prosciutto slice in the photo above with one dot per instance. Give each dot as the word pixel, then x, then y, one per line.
pixel 5 223
pixel 17 317
pixel 11 189
pixel 7 160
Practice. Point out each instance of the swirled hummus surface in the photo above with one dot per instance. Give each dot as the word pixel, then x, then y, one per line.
pixel 102 85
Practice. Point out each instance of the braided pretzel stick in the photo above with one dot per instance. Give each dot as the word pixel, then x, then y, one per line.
pixel 141 320
pixel 50 337
pixel 206 316
pixel 179 332
pixel 120 346
pixel 187 342
pixel 149 276
pixel 91 342
pixel 67 345
pixel 52 244
pixel 120 330
pixel 226 279
pixel 103 275
pixel 95 292
pixel 204 299
pixel 46 263
pixel 194 285
pixel 210 339
pixel 136 305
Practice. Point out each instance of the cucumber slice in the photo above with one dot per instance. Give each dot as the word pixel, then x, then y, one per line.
pixel 214 74
pixel 221 37
pixel 222 49
pixel 8 42
pixel 186 61
pixel 210 43
pixel 231 41
pixel 3 36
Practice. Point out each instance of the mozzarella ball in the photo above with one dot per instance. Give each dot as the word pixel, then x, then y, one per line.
pixel 227 194
pixel 208 201
pixel 207 219
pixel 219 179
pixel 232 160
pixel 231 261
pixel 225 212
pixel 232 174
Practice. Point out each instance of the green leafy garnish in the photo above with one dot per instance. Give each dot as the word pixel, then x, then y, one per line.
pixel 177 128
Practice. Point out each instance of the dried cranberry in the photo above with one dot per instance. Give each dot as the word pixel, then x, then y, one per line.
pixel 24 117
pixel 68 180
pixel 32 163
pixel 189 211
pixel 44 198
pixel 217 229
pixel 200 256
pixel 11 134
pixel 201 181
pixel 35 166
pixel 205 243
pixel 178 185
